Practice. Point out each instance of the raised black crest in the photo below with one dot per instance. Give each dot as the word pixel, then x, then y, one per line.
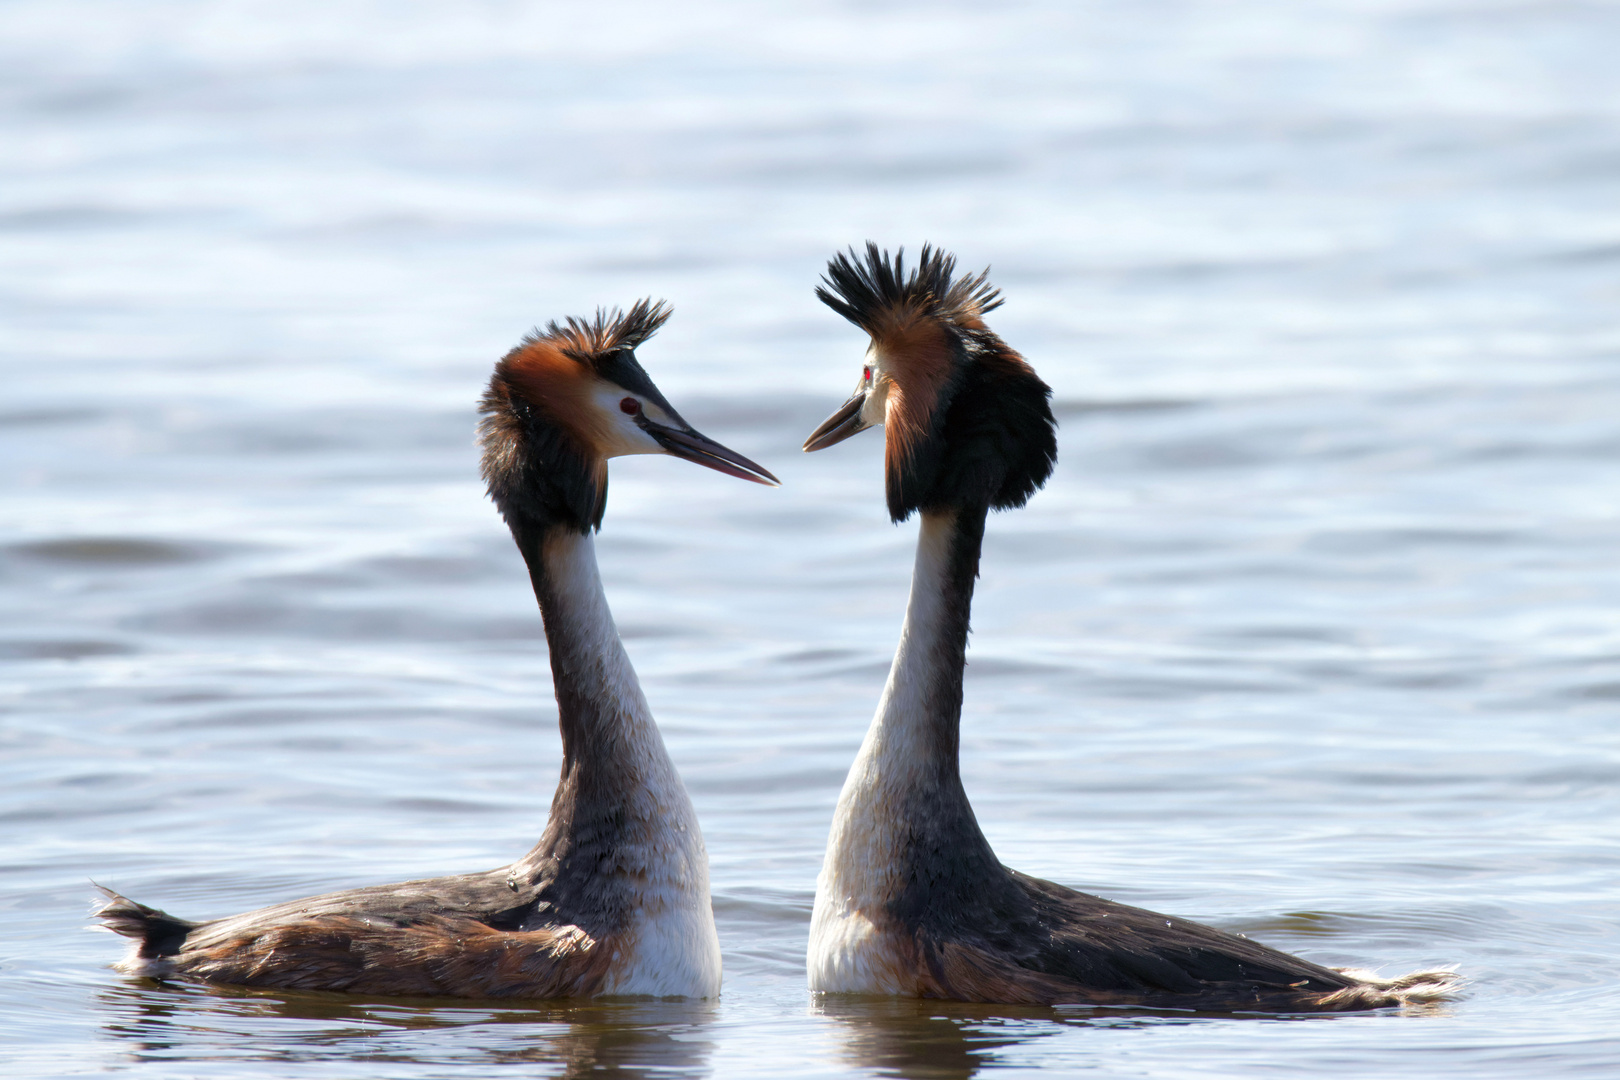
pixel 610 331
pixel 875 292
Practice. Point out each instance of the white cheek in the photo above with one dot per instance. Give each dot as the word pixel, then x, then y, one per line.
pixel 875 408
pixel 624 434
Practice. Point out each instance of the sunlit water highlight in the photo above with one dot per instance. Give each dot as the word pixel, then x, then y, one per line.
pixel 1313 636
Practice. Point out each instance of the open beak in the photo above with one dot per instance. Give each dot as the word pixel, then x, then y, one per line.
pixel 840 425
pixel 690 445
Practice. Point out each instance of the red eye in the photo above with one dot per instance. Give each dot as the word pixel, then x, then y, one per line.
pixel 630 405
pixel 866 375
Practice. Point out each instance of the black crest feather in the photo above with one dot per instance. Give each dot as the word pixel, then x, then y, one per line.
pixel 608 332
pixel 872 291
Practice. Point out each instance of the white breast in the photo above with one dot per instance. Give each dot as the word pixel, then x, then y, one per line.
pixel 850 949
pixel 673 947
pixel 849 952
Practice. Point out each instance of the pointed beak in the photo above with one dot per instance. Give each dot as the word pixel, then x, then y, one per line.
pixel 692 446
pixel 840 425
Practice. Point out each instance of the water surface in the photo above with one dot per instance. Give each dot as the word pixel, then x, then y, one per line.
pixel 1312 636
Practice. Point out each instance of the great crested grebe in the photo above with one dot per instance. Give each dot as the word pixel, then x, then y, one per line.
pixel 614 899
pixel 911 901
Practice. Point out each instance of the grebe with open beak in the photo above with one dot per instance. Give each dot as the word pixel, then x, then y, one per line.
pixel 614 899
pixel 911 901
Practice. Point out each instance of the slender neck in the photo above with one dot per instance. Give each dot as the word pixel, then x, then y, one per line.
pixel 599 700
pixel 921 709
pixel 904 837
pixel 906 849
pixel 622 835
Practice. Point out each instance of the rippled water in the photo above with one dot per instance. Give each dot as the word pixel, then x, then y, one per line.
pixel 1314 635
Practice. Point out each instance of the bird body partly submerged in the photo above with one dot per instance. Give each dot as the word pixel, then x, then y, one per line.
pixel 911 900
pixel 614 899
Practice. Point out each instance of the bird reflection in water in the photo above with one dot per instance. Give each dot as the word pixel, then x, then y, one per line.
pixel 920 1039
pixel 629 1039
pixel 928 1040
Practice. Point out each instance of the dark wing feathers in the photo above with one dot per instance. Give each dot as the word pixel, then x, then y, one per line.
pixel 433 956
pixel 470 935
pixel 1102 945
pixel 482 897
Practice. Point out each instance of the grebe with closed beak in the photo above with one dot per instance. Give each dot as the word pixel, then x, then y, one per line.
pixel 614 899
pixel 911 901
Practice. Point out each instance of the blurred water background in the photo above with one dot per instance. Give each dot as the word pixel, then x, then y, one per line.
pixel 1314 635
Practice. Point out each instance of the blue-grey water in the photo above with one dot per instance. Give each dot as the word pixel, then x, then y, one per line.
pixel 1314 635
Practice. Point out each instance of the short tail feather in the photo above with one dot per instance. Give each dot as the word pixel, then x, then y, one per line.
pixel 156 933
pixel 1373 992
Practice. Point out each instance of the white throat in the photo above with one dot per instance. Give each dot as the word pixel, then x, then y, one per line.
pixel 860 870
pixel 677 951
pixel 892 752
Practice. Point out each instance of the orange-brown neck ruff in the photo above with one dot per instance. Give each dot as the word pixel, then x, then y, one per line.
pixel 558 385
pixel 919 357
pixel 541 440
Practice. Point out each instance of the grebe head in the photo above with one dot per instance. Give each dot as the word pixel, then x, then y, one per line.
pixel 568 398
pixel 967 421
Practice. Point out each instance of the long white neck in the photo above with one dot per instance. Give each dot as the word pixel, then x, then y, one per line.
pixel 602 711
pixel 913 738
pixel 904 836
pixel 623 836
